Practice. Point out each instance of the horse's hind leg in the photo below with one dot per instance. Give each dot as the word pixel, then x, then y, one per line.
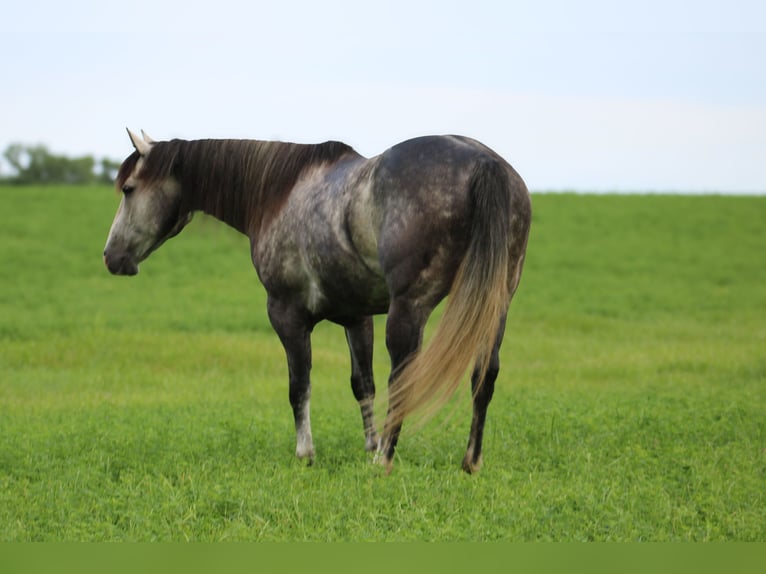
pixel 404 334
pixel 482 391
pixel 360 339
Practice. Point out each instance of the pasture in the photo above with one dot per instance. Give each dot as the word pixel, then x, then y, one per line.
pixel 630 406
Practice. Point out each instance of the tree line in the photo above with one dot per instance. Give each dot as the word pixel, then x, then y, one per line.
pixel 36 164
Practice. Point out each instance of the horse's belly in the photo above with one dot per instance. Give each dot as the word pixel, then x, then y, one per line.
pixel 349 294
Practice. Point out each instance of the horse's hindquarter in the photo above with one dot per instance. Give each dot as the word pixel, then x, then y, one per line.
pixel 422 186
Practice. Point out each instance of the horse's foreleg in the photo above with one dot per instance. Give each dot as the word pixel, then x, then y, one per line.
pixel 360 339
pixel 482 395
pixel 404 333
pixel 295 333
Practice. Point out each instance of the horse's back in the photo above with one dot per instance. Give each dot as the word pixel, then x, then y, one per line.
pixel 431 157
pixel 433 172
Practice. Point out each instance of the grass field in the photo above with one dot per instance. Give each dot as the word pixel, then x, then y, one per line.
pixel 631 404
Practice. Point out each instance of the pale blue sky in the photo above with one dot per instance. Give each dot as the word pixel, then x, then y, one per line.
pixel 658 95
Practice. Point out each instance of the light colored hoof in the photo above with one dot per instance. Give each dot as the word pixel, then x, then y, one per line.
pixel 306 455
pixel 382 460
pixel 471 467
pixel 371 443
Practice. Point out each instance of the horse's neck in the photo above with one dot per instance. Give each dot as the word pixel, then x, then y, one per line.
pixel 232 181
pixel 245 183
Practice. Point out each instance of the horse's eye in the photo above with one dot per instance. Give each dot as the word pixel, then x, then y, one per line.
pixel 128 189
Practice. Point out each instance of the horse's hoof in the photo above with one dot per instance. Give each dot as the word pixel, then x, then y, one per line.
pixel 371 443
pixel 305 455
pixel 471 467
pixel 382 460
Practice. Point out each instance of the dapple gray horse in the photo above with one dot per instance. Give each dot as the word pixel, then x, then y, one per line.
pixel 337 236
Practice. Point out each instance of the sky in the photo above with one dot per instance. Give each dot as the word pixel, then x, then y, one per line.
pixel 585 95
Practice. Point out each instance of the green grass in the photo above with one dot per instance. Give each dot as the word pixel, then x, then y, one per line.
pixel 631 404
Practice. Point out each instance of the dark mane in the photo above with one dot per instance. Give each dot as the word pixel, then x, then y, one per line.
pixel 241 182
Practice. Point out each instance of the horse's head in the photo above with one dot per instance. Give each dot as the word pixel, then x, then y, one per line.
pixel 150 212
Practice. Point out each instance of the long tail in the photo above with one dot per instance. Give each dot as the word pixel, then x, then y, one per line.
pixel 478 299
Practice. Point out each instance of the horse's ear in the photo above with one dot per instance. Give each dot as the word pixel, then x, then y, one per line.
pixel 147 138
pixel 142 147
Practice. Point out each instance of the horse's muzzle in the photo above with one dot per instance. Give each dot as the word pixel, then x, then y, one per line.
pixel 120 265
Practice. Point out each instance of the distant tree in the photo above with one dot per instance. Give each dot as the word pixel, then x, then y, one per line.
pixel 108 172
pixel 35 164
pixel 15 156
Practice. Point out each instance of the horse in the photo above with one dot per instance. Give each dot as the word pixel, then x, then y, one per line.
pixel 337 236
